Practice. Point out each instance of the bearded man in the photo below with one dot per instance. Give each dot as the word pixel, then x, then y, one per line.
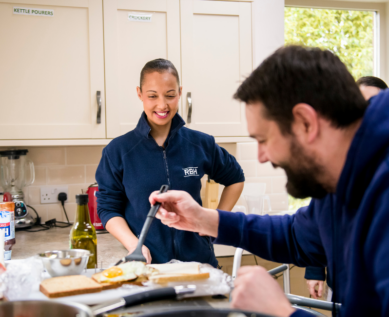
pixel 309 118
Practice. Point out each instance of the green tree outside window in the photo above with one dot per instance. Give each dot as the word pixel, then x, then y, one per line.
pixel 348 34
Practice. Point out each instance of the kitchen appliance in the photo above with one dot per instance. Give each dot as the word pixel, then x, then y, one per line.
pixel 137 255
pixel 254 195
pixel 256 204
pixel 16 172
pixel 92 205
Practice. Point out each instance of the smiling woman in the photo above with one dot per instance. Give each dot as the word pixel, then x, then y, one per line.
pixel 160 92
pixel 160 150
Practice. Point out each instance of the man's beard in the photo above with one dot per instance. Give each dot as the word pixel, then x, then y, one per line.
pixel 302 172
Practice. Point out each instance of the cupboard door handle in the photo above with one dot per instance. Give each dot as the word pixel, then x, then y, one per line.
pixel 98 98
pixel 189 107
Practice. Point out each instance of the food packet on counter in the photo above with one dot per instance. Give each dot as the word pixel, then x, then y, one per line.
pixel 21 278
pixel 218 283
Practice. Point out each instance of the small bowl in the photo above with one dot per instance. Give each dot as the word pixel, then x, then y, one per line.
pixel 65 262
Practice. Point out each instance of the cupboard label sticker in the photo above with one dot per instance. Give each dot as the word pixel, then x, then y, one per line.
pixel 31 11
pixel 140 17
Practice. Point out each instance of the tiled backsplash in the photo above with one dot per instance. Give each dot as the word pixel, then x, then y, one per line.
pixel 75 166
pixel 275 179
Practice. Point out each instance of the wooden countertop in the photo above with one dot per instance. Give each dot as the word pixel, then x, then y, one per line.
pixel 109 250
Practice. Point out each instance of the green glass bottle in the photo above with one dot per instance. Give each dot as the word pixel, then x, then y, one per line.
pixel 83 234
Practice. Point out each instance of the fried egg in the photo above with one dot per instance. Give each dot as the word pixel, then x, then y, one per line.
pixel 125 272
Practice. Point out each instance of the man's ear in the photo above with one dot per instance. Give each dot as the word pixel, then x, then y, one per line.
pixel 139 93
pixel 306 122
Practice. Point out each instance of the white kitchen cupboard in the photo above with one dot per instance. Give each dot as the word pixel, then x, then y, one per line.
pixel 216 46
pixel 51 67
pixel 129 45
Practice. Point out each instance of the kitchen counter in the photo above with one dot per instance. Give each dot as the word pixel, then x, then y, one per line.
pixel 109 250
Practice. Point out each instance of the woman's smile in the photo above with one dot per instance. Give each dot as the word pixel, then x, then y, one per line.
pixel 162 115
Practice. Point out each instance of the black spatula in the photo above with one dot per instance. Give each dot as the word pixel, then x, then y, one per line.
pixel 137 255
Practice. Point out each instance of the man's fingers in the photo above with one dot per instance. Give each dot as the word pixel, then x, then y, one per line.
pixel 320 290
pixel 161 214
pixel 312 290
pixel 245 274
pixel 167 218
pixel 238 295
pixel 165 215
pixel 170 196
pixel 248 269
pixel 152 195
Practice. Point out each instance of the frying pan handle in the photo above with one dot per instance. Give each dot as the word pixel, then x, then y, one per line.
pixel 140 298
pixel 149 296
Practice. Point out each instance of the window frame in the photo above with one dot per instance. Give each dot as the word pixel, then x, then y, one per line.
pixel 380 26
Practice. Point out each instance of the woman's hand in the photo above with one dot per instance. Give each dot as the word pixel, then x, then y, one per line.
pixel 146 253
pixel 312 288
pixel 230 196
pixel 179 210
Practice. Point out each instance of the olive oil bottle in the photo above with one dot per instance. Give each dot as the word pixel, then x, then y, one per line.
pixel 83 234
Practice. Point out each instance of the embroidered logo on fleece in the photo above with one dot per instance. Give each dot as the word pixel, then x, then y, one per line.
pixel 190 171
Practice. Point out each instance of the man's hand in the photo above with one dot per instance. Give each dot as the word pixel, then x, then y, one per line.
pixel 312 288
pixel 179 210
pixel 145 252
pixel 256 290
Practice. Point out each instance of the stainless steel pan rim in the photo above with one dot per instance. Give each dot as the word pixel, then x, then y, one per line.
pixel 50 308
pixel 203 312
pixel 44 308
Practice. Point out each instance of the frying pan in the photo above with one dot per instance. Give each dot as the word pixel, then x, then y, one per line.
pixel 46 308
pixel 51 308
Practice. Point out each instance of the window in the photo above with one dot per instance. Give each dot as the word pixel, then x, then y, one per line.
pixel 347 33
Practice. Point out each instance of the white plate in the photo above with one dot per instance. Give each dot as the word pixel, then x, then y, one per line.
pixel 90 299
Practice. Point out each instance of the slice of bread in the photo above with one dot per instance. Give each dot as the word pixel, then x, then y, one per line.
pixel 177 268
pixel 69 285
pixel 166 278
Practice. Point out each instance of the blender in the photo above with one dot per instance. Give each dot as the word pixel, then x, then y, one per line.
pixel 16 172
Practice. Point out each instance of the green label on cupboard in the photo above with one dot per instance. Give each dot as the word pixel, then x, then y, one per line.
pixel 140 17
pixel 31 11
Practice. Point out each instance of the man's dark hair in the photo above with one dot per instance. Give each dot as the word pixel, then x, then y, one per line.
pixel 295 74
pixel 372 81
pixel 159 65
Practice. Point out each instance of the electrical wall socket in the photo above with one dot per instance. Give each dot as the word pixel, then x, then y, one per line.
pixel 49 194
